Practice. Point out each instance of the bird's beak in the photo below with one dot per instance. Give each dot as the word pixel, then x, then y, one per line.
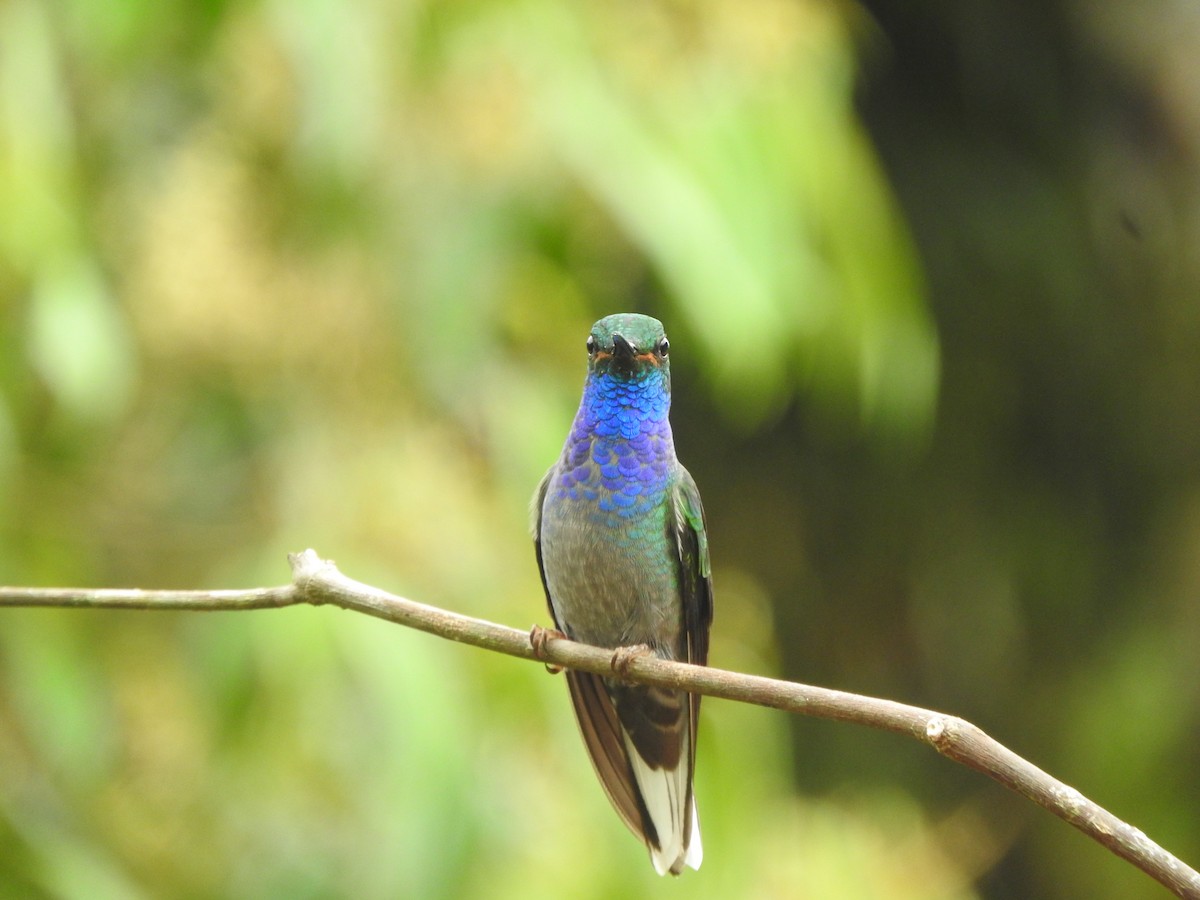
pixel 623 351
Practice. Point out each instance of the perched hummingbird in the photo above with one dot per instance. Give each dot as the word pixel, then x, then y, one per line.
pixel 623 552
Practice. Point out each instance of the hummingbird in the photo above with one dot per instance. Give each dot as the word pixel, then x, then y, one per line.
pixel 622 547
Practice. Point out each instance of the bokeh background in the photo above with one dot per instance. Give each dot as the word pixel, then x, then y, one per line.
pixel 277 275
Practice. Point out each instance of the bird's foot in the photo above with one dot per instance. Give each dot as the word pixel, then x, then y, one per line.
pixel 537 640
pixel 623 656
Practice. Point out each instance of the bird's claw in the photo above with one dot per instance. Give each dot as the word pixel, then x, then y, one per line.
pixel 537 640
pixel 623 656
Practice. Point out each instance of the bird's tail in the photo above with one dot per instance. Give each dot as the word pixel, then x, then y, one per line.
pixel 671 808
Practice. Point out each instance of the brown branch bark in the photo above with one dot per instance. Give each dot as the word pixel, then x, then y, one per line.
pixel 316 581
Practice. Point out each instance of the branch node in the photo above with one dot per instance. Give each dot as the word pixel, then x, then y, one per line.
pixel 307 567
pixel 935 730
pixel 1070 801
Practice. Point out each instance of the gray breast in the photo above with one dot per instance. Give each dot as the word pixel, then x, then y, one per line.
pixel 611 581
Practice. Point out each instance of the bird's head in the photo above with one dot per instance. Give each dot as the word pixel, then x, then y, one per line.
pixel 629 347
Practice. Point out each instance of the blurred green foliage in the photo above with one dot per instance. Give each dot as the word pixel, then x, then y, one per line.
pixel 286 275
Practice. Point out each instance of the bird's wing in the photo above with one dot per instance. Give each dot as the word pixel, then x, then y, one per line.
pixel 688 531
pixel 690 535
pixel 535 528
pixel 594 710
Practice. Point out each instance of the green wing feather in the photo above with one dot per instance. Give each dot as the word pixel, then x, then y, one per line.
pixel 690 534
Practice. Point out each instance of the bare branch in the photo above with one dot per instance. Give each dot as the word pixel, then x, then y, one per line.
pixel 317 582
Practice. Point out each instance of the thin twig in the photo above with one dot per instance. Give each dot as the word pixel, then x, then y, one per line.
pixel 317 582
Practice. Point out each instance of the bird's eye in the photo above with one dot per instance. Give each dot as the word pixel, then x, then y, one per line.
pixel 664 347
pixel 591 345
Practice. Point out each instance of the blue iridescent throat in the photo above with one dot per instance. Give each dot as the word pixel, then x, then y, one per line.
pixel 619 452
